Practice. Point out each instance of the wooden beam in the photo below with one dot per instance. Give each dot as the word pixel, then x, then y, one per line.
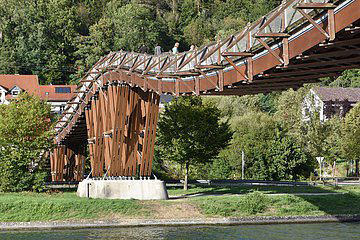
pixel 272 35
pixel 302 72
pixel 209 66
pixel 315 6
pixel 238 54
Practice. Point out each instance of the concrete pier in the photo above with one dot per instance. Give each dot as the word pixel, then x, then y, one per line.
pixel 123 189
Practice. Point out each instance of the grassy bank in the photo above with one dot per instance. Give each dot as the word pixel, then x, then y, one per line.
pixel 248 189
pixel 62 206
pixel 209 202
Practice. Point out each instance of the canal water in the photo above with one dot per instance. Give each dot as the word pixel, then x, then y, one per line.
pixel 279 231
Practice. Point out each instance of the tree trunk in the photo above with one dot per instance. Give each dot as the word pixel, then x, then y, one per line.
pixel 357 168
pixel 186 176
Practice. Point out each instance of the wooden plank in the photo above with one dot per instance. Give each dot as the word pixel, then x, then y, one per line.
pixel 238 54
pixel 331 25
pixel 153 135
pixel 315 6
pixel 210 66
pixel 146 136
pixel 272 35
pixel 285 54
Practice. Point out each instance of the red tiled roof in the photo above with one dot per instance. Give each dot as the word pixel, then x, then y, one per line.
pixel 332 94
pixel 53 96
pixel 29 83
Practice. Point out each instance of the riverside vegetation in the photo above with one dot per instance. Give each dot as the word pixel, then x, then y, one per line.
pixel 255 201
pixel 277 144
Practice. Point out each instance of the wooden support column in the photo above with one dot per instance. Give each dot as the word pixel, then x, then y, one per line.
pixel 121 123
pixel 67 163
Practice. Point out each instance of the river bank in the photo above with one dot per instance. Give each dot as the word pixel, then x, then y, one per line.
pixel 198 206
pixel 176 222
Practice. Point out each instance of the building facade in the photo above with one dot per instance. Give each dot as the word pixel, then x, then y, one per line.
pixel 329 102
pixel 56 95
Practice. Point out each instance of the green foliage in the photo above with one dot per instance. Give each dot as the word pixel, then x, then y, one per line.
pixel 351 140
pixel 25 207
pixel 348 78
pixel 221 167
pixel 24 137
pixel 38 38
pixel 255 202
pixel 289 107
pixel 271 153
pixel 190 132
pixel 250 204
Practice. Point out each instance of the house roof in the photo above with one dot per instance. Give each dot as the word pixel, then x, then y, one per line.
pixel 341 94
pixel 49 93
pixel 29 83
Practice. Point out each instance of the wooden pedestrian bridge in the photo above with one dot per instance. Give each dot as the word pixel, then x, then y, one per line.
pixel 115 108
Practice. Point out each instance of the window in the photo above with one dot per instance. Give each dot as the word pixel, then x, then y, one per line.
pixel 62 90
pixel 15 92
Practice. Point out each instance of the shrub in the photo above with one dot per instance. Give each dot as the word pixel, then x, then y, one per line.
pixel 255 202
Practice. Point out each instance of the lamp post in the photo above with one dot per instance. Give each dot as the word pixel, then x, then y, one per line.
pixel 320 161
pixel 242 165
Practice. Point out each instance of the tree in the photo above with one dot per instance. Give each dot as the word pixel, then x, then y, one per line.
pixel 190 132
pixel 271 153
pixel 351 139
pixel 24 137
pixel 38 38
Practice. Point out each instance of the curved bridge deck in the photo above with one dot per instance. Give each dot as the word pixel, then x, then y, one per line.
pixel 296 43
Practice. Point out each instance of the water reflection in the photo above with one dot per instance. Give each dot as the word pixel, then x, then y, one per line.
pixel 280 231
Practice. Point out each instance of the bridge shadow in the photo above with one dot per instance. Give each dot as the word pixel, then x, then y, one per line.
pixel 319 200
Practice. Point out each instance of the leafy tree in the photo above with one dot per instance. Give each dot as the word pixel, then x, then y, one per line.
pixel 40 38
pixel 348 78
pixel 134 26
pixel 289 108
pixel 190 132
pixel 351 140
pixel 24 137
pixel 333 143
pixel 197 31
pixel 271 153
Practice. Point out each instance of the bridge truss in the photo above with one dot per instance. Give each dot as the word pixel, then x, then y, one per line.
pixel 115 107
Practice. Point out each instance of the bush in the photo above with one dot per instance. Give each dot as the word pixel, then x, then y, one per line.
pixel 250 204
pixel 255 202
pixel 24 137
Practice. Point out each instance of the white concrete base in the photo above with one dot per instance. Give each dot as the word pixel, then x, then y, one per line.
pixel 123 189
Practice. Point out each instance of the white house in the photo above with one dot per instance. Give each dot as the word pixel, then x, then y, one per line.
pixel 329 102
pixel 56 95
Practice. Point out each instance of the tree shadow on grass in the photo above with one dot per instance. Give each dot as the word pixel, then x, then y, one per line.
pixel 320 200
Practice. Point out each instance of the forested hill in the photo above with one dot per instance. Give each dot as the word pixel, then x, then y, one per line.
pixel 60 39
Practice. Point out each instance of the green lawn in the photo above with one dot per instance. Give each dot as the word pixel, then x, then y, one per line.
pixel 61 206
pixel 282 205
pixel 177 191
pixel 253 201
